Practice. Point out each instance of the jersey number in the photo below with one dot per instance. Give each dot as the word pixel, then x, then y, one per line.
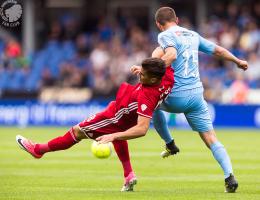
pixel 186 56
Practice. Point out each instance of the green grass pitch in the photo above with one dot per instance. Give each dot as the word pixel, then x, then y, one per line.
pixel 75 174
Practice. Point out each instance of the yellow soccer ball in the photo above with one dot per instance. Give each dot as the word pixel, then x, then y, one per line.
pixel 101 150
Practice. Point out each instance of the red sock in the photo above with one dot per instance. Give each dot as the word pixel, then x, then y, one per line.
pixel 121 148
pixel 60 143
pixel 41 148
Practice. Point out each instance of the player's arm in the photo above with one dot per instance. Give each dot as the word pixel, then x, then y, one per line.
pixel 227 55
pixel 168 43
pixel 210 48
pixel 170 55
pixel 136 131
pixel 157 52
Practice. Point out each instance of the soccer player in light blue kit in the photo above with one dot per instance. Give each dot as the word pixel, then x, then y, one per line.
pixel 180 47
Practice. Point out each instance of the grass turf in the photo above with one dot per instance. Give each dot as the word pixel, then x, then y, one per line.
pixel 75 174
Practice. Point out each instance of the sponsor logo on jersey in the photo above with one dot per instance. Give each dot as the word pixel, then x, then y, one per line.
pixel 138 88
pixel 161 88
pixel 91 118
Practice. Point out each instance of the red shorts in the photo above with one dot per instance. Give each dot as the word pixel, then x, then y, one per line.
pixel 101 123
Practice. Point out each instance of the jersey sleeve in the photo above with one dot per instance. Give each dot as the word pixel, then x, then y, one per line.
pixel 166 40
pixel 206 46
pixel 146 103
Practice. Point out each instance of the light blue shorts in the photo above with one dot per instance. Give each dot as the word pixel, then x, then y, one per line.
pixel 194 107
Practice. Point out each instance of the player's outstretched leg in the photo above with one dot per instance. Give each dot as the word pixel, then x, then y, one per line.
pixel 161 127
pixel 121 148
pixel 66 141
pixel 220 154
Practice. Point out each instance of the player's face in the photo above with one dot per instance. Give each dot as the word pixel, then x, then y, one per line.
pixel 145 79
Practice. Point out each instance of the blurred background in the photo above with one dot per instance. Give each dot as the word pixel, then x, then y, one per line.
pixel 63 60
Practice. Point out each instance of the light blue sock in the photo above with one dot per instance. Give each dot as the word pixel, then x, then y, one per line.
pixel 220 154
pixel 161 127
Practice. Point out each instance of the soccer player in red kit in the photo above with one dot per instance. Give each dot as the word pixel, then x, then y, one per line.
pixel 127 117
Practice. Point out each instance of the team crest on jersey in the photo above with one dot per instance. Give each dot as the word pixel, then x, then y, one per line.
pixel 143 107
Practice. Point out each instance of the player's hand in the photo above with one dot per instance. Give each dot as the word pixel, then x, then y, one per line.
pixel 135 69
pixel 105 139
pixel 242 64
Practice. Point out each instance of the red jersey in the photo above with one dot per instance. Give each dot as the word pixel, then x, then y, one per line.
pixel 130 102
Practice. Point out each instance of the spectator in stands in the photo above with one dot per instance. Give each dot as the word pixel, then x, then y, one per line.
pixel 77 71
pixel 239 90
pixel 253 74
pixel 13 48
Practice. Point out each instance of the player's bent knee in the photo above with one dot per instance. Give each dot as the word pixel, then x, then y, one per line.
pixel 78 133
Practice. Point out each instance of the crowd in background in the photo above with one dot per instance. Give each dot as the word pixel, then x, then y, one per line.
pixel 100 59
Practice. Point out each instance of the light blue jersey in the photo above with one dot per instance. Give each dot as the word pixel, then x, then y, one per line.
pixel 187 93
pixel 186 66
